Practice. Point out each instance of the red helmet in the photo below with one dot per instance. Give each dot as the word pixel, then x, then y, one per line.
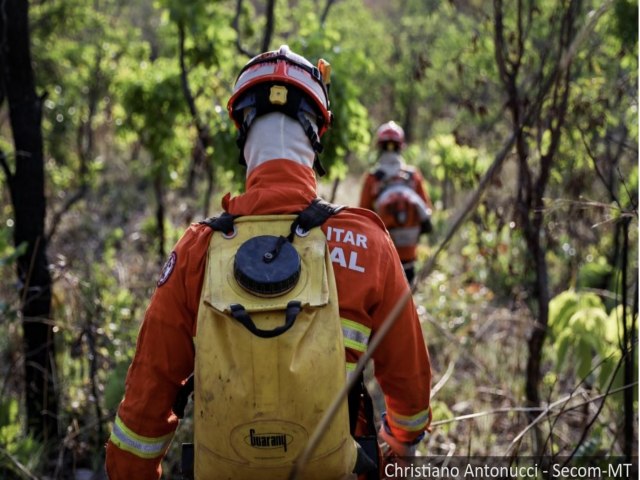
pixel 271 73
pixel 390 133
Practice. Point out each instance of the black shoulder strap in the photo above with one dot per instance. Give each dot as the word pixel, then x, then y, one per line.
pixel 223 223
pixel 379 174
pixel 314 215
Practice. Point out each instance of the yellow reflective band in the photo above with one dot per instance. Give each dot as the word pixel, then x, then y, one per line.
pixel 351 367
pixel 356 335
pixel 413 423
pixel 143 447
pixel 354 345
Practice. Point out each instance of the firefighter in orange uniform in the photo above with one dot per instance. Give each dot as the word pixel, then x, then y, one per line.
pixel 279 145
pixel 396 192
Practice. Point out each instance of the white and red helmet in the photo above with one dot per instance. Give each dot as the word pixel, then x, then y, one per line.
pixel 283 67
pixel 390 135
pixel 282 81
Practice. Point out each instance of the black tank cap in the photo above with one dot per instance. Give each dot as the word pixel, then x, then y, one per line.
pixel 263 274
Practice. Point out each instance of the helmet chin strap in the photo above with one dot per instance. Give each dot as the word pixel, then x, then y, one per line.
pixel 312 135
pixel 278 136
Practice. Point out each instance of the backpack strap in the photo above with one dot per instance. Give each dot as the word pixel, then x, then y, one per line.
pixel 314 215
pixel 318 212
pixel 182 397
pixel 223 223
pixel 379 174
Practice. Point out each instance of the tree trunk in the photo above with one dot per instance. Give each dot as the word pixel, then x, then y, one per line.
pixel 532 178
pixel 629 350
pixel 536 341
pixel 29 204
pixel 158 190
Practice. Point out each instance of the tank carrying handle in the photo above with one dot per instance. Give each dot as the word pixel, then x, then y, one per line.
pixel 240 314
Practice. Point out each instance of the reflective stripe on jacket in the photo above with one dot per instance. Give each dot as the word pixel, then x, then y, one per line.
pixel 141 446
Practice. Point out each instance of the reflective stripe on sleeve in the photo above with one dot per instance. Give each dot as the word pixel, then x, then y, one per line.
pixel 351 367
pixel 413 423
pixel 143 447
pixel 356 335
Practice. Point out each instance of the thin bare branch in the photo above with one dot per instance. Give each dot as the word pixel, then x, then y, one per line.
pixel 184 75
pixel 325 11
pixel 204 140
pixel 71 201
pixel 445 378
pixel 520 34
pixel 500 46
pixel 562 402
pixel 549 410
pixel 24 470
pixel 592 156
pixel 236 26
pixel 269 27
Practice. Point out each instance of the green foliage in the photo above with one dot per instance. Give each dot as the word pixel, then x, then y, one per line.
pixel 153 110
pixel 114 386
pixel 75 76
pixel 594 274
pixel 335 42
pixel 445 160
pixel 441 411
pixel 8 257
pixel 584 335
pixel 626 15
pixel 25 450
pixel 628 189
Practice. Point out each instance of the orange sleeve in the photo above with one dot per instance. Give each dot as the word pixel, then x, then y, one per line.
pixel 367 193
pixel 164 358
pixel 402 365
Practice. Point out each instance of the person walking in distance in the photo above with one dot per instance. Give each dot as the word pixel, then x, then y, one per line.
pixel 397 193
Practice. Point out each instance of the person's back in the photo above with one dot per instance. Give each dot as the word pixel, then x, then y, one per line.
pixel 396 192
pixel 279 151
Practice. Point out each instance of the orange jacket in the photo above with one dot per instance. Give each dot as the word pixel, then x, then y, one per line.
pixel 369 281
pixel 372 187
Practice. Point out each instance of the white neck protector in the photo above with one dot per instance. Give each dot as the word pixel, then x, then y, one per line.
pixel 277 136
pixel 390 163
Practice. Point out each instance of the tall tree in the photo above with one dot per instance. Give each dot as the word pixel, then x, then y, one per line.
pixel 538 98
pixel 26 185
